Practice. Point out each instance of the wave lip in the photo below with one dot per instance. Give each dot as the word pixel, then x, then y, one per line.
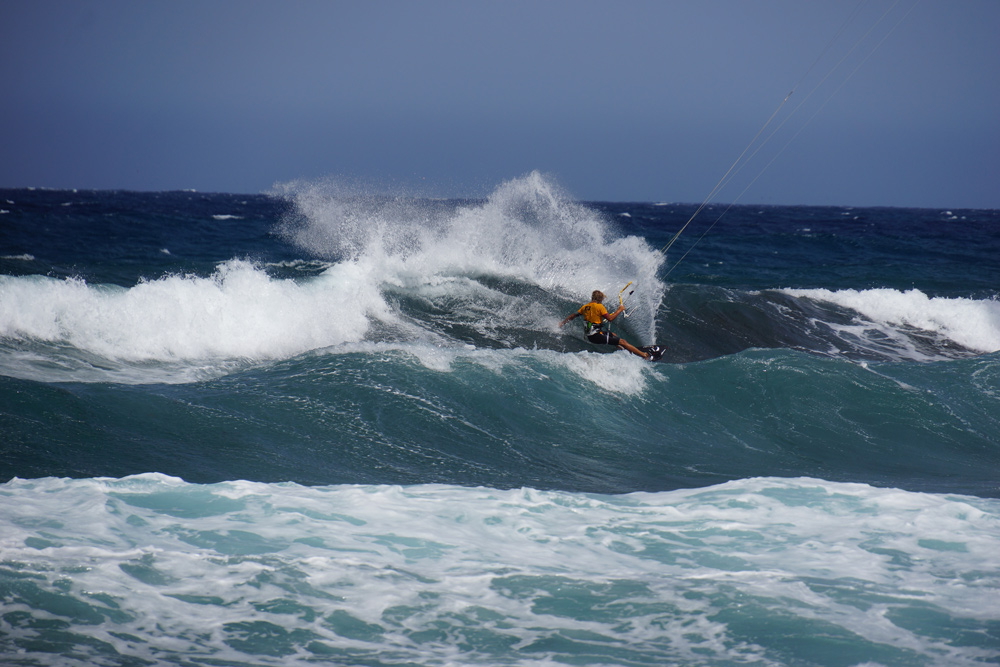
pixel 239 312
pixel 971 323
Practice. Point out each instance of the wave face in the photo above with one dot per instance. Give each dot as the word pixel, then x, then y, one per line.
pixel 328 425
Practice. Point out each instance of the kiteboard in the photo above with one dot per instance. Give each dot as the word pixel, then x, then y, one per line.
pixel 655 352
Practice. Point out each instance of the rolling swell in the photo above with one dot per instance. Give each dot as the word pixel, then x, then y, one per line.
pixel 577 421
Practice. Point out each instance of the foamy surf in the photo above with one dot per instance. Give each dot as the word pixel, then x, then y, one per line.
pixel 763 571
pixel 971 323
pixel 238 312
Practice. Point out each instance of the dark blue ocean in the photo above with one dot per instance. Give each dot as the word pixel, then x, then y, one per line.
pixel 324 426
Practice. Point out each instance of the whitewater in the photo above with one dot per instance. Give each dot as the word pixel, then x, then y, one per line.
pixel 331 426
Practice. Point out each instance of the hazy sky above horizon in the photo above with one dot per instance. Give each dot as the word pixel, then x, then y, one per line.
pixel 895 103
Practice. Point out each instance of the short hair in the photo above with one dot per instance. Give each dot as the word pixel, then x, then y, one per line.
pixel 597 296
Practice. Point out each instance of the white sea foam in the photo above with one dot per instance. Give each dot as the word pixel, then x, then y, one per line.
pixel 619 372
pixel 971 323
pixel 252 573
pixel 238 312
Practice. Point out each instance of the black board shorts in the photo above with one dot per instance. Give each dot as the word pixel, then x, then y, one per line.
pixel 603 338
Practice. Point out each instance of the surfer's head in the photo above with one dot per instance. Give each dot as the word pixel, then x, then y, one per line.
pixel 597 296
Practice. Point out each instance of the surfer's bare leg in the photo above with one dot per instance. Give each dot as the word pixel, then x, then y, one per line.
pixel 625 345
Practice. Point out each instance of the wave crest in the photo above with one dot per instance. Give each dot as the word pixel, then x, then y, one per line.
pixel 972 323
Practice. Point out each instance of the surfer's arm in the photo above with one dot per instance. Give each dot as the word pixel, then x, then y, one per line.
pixel 568 318
pixel 610 317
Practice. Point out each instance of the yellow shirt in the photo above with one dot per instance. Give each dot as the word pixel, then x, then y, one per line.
pixel 594 314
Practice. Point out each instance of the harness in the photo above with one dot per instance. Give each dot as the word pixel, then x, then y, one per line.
pixel 593 328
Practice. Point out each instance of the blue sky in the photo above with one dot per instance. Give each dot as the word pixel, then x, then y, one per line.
pixel 616 101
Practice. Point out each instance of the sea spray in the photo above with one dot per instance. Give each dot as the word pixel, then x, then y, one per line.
pixel 528 232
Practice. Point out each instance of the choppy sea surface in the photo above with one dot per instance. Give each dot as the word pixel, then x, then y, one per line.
pixel 322 426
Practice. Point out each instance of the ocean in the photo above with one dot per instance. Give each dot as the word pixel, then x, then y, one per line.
pixel 331 426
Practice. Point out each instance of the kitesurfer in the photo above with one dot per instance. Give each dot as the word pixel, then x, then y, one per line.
pixel 596 316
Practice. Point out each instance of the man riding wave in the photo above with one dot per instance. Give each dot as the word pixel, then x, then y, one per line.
pixel 596 317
